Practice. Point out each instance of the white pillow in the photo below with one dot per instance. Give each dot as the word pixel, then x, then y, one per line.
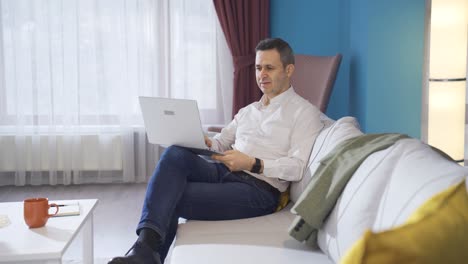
pixel 420 174
pixel 356 209
pixel 388 186
pixel 343 129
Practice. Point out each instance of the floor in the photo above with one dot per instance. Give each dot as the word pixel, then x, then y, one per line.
pixel 115 217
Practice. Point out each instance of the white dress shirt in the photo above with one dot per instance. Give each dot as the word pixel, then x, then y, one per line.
pixel 280 133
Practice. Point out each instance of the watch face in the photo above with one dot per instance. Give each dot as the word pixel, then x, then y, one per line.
pixel 257 166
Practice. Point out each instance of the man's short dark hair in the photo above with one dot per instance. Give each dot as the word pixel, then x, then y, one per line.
pixel 283 48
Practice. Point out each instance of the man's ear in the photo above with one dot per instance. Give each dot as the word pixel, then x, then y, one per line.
pixel 290 70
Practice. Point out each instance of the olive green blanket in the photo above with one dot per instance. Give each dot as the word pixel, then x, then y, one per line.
pixel 329 180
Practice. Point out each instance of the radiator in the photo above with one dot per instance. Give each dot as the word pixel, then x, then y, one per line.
pixel 93 153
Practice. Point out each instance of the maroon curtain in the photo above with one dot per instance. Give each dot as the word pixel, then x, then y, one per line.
pixel 244 23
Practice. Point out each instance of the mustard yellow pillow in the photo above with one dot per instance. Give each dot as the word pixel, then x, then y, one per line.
pixel 283 200
pixel 437 232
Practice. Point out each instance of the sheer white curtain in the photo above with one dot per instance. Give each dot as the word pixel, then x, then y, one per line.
pixel 71 72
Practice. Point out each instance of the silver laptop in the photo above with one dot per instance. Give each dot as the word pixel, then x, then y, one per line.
pixel 174 122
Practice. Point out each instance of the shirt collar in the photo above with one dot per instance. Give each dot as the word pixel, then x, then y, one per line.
pixel 279 99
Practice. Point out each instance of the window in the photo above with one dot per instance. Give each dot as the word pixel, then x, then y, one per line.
pixel 85 62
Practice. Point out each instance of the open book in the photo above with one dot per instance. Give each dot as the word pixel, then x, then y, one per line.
pixel 67 209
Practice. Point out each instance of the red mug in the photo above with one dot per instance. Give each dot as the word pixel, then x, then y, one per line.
pixel 36 211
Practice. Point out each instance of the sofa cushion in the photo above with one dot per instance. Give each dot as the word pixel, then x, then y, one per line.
pixel 254 240
pixel 245 254
pixel 233 241
pixel 269 230
pixel 336 132
pixel 436 233
pixel 387 187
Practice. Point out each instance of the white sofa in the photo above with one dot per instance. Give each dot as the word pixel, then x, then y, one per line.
pixel 387 187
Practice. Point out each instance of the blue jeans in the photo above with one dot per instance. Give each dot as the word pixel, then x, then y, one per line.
pixel 185 185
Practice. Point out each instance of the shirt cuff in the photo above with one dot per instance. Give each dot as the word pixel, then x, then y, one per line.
pixel 267 166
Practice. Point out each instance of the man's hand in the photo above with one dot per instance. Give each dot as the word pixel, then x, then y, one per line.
pixel 208 142
pixel 235 160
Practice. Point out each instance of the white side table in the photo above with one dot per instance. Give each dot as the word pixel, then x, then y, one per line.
pixel 21 245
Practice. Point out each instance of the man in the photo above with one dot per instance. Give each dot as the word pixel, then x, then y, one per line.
pixel 266 146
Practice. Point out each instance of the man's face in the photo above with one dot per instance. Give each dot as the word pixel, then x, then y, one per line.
pixel 272 77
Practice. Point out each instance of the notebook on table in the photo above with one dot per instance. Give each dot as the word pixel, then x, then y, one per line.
pixel 66 209
pixel 177 122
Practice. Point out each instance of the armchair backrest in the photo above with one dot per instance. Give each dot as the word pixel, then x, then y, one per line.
pixel 314 77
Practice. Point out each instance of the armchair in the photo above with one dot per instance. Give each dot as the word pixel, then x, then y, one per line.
pixel 314 78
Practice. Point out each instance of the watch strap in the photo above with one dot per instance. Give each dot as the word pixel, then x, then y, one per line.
pixel 257 166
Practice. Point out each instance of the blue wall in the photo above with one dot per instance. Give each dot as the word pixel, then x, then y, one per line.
pixel 380 79
pixel 315 27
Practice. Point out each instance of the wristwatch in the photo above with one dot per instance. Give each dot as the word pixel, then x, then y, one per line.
pixel 257 166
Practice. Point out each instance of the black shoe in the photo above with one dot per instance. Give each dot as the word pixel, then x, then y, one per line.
pixel 139 253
